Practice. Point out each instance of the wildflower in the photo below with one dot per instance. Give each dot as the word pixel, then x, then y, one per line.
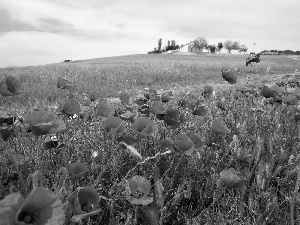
pixel 207 91
pixel 144 127
pixel 41 206
pixel 229 76
pixel 76 170
pixel 44 122
pixel 71 107
pixel 158 108
pixel 219 127
pixel 126 99
pixel 200 110
pixel 63 83
pixel 88 198
pixel 173 118
pixel 230 179
pixel 10 86
pixel 183 143
pixel 114 125
pixel 268 92
pixel 137 190
pixel 95 154
pixel 104 109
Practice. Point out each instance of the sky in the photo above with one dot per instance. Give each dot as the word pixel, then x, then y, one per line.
pixel 38 32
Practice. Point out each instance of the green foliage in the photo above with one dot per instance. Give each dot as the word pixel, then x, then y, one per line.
pixel 208 154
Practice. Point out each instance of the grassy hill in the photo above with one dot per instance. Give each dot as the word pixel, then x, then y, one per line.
pixel 108 76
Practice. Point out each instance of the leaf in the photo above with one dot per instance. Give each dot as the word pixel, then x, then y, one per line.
pixel 104 109
pixel 9 207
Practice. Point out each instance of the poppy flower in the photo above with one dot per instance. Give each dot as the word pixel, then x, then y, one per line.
pixel 88 198
pixel 173 118
pixel 53 143
pixel 200 110
pixel 141 101
pixel 151 94
pixel 290 100
pixel 144 110
pixel 230 76
pixel 196 139
pixel 71 107
pixel 114 125
pixel 183 143
pixel 10 86
pixel 158 108
pixel 63 83
pixel 207 91
pixel 144 127
pixel 9 120
pixel 165 97
pixel 297 117
pixel 165 143
pixel 44 122
pixel 267 92
pixel 138 189
pixel 219 127
pixel 126 99
pixel 5 133
pixel 186 104
pixel 76 170
pixel 230 179
pixel 86 113
pixel 104 109
pixel 41 206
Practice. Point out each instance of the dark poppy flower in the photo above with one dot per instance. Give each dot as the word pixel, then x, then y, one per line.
pixel 137 190
pixel 166 97
pixel 141 101
pixel 104 109
pixel 76 170
pixel 200 110
pixel 144 110
pixel 219 127
pixel 53 143
pixel 230 76
pixel 207 91
pixel 183 144
pixel 158 108
pixel 8 120
pixel 10 86
pixel 237 95
pixel 5 133
pixel 71 107
pixel 114 125
pixel 151 94
pixel 88 198
pixel 230 179
pixel 173 118
pixel 267 92
pixel 144 127
pixel 41 206
pixel 63 83
pixel 44 122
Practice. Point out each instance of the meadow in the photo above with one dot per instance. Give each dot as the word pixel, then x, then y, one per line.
pixel 151 139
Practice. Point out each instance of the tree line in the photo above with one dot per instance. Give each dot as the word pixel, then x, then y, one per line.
pixel 201 43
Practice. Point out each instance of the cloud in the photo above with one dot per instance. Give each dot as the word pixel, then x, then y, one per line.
pixel 122 24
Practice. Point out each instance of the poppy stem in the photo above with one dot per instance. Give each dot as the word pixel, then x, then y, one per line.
pixel 294 193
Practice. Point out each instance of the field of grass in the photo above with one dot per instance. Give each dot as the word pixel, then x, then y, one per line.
pixel 234 161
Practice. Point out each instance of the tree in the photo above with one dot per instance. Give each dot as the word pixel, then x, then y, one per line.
pixel 159 44
pixel 231 45
pixel 211 48
pixel 243 48
pixel 173 43
pixel 220 46
pixel 199 43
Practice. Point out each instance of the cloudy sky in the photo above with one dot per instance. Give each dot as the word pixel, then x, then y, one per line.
pixel 35 32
